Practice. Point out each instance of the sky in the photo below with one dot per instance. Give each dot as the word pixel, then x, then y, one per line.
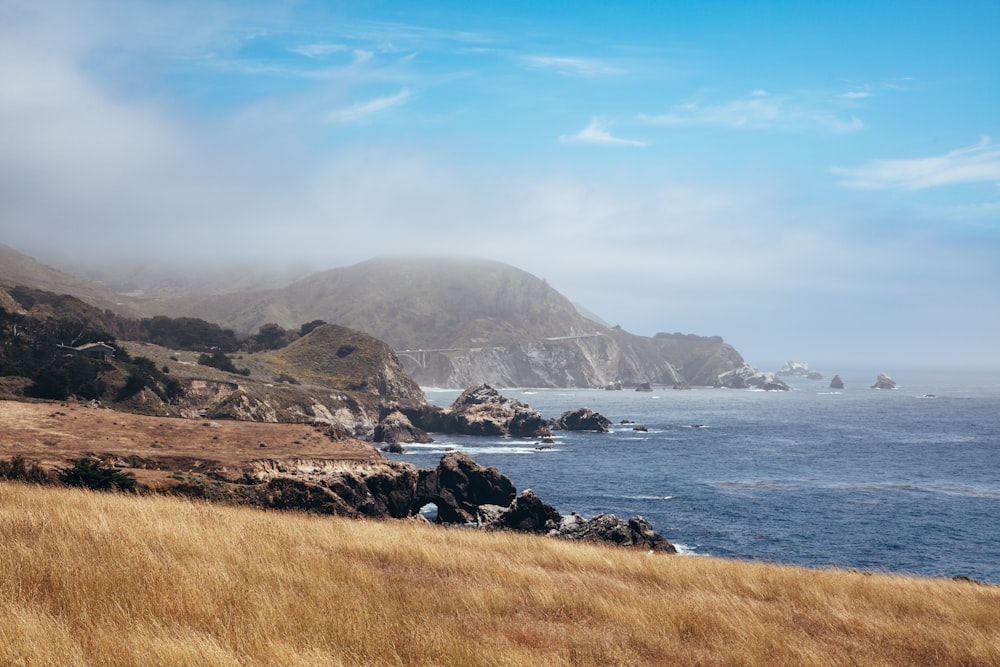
pixel 811 181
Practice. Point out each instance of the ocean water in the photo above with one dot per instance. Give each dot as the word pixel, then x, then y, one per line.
pixel 903 481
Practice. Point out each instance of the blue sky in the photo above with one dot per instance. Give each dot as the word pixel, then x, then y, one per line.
pixel 818 181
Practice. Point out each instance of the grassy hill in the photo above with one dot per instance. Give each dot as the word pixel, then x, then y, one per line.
pixel 100 579
pixel 408 303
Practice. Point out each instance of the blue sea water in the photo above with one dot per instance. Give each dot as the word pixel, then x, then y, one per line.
pixel 904 481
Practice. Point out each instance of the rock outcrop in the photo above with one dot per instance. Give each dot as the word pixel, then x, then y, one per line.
pixel 464 492
pixel 582 419
pixel 396 428
pixel 460 486
pixel 883 381
pixel 836 382
pixel 481 410
pixel 636 532
pixel 799 369
pixel 748 377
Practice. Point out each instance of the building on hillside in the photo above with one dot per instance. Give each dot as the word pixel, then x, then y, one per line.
pixel 100 351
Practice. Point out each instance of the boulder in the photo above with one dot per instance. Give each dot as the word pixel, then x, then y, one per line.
pixel 582 419
pixel 883 381
pixel 836 383
pixel 644 386
pixel 636 532
pixel 614 386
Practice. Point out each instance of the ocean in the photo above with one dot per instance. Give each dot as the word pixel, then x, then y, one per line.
pixel 904 481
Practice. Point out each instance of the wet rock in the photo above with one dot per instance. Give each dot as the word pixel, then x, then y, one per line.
pixel 645 386
pixel 582 419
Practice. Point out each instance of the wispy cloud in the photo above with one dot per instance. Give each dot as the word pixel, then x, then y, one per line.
pixel 972 164
pixel 363 110
pixel 758 110
pixel 318 50
pixel 597 133
pixel 855 95
pixel 586 67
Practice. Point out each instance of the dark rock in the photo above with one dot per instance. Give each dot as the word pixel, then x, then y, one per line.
pixel 614 386
pixel 582 419
pixel 396 428
pixel 636 532
pixel 529 514
pixel 641 429
pixel 883 381
pixel 644 386
pixel 394 448
pixel 836 383
pixel 462 485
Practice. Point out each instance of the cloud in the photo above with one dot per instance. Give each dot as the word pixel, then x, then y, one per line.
pixel 855 95
pixel 973 164
pixel 586 67
pixel 318 50
pixel 363 110
pixel 758 110
pixel 597 133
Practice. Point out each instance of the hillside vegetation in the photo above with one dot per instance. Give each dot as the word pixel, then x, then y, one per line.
pixel 99 579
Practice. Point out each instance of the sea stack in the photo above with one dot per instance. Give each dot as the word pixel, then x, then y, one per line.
pixel 836 383
pixel 883 381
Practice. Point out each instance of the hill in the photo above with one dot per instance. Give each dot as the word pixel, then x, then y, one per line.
pixel 456 323
pixel 191 368
pixel 19 269
pixel 102 579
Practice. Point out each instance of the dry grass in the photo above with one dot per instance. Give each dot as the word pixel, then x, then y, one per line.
pixel 94 579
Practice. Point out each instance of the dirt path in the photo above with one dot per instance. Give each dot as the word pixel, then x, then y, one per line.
pixel 52 433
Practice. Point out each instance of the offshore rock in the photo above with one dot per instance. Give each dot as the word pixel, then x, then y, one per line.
pixel 836 383
pixel 799 369
pixel 636 532
pixel 482 410
pixel 582 419
pixel 883 381
pixel 748 377
pixel 644 386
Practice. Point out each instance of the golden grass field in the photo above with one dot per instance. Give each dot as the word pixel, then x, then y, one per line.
pixel 109 579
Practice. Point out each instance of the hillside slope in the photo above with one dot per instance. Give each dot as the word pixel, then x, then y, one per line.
pixel 99 579
pixel 456 323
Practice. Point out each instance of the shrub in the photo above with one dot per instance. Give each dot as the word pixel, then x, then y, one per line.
pixel 17 468
pixel 92 473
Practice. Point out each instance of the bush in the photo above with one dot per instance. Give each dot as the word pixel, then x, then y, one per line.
pixel 218 359
pixel 92 473
pixel 18 469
